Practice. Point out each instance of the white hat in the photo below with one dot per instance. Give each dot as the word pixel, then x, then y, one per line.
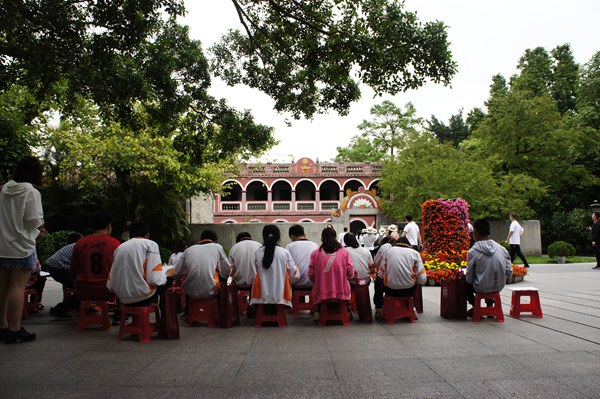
pixel 393 227
pixel 382 230
pixel 363 230
pixel 371 230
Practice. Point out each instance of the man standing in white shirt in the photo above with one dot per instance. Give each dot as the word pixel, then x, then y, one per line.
pixel 412 233
pixel 300 248
pixel 340 236
pixel 514 239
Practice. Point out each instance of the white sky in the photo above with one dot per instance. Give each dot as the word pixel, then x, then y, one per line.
pixel 487 37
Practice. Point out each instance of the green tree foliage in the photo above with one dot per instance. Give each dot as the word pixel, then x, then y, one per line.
pixel 17 110
pixel 386 133
pixel 565 78
pixel 588 95
pixel 311 56
pixel 136 168
pixel 427 169
pixel 454 133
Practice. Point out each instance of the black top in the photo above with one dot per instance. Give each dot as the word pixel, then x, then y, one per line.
pixel 596 232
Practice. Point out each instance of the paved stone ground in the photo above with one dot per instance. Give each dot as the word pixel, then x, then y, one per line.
pixel 554 357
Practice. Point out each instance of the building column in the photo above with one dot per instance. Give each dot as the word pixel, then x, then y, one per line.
pixel 269 200
pixel 317 200
pixel 342 195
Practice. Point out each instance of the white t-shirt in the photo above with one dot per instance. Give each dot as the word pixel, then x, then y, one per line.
pixel 369 241
pixel 136 270
pixel 516 229
pixel 361 258
pixel 340 238
pixel 402 268
pixel 242 257
pixel 412 233
pixel 203 263
pixel 300 251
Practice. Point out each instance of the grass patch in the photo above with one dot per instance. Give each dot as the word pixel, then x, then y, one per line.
pixel 535 260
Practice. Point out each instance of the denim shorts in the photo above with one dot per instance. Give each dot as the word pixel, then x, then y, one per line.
pixel 27 263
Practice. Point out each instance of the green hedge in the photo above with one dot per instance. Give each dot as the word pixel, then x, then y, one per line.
pixel 561 248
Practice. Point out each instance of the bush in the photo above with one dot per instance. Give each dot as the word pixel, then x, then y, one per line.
pixel 51 243
pixel 561 248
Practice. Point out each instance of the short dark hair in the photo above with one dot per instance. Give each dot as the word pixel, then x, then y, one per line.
pixel 296 230
pixel 408 218
pixel 29 170
pixel 73 238
pixel 100 220
pixel 208 234
pixel 138 229
pixel 350 240
pixel 513 215
pixel 482 227
pixel 403 240
pixel 242 235
pixel 597 214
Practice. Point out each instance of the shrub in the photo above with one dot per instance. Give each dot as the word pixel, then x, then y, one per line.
pixel 561 248
pixel 51 243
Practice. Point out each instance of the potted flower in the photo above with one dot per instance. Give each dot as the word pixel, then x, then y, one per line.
pixel 518 274
pixel 560 250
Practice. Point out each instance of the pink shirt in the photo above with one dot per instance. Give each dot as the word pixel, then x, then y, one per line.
pixel 329 274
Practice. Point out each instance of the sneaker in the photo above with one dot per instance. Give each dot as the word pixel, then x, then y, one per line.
pixel 59 314
pixel 22 335
pixel 470 313
pixel 378 314
pixel 595 267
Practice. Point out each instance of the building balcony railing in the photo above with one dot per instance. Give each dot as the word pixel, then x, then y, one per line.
pixel 256 206
pixel 230 206
pixel 305 205
pixel 282 206
pixel 328 206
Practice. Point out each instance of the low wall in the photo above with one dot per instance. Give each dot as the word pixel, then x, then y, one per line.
pixel 227 232
pixel 531 240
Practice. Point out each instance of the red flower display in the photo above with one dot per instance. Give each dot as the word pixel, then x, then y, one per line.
pixel 445 230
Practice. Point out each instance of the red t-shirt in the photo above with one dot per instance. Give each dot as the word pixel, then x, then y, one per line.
pixel 90 265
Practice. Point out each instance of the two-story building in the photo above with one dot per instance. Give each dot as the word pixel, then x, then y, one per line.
pixel 302 191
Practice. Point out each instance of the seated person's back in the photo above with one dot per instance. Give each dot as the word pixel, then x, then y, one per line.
pixel 274 265
pixel 92 260
pixel 137 269
pixel 330 268
pixel 300 248
pixel 402 267
pixel 203 264
pixel 242 257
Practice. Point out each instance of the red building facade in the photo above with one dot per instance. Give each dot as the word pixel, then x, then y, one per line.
pixel 302 191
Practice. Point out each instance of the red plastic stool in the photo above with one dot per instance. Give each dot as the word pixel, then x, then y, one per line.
pixel 31 302
pixel 270 313
pixel 418 298
pixel 87 320
pixel 495 311
pixel 534 306
pixel 302 300
pixel 398 308
pixel 243 298
pixel 334 310
pixel 203 310
pixel 352 302
pixel 140 325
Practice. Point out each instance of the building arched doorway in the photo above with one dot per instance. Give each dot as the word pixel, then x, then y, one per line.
pixel 356 226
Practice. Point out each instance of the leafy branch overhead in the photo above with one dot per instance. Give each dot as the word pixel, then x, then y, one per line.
pixel 311 56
